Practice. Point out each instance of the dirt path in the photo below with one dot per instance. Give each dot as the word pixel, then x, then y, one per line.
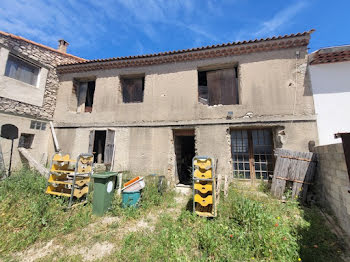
pixel 90 249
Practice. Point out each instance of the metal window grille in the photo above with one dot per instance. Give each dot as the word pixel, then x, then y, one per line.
pixel 252 153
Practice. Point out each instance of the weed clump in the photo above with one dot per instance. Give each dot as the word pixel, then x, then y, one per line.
pixel 248 228
pixel 152 196
pixel 28 214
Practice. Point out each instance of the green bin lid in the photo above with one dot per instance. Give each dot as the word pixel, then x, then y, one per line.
pixel 104 174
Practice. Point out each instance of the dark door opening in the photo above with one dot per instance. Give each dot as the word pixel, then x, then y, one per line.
pixel 99 146
pixel 184 151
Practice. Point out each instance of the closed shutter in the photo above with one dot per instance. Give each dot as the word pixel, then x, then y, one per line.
pixel 222 87
pixel 82 90
pixel 109 147
pixel 214 90
pixel 91 141
pixel 228 86
pixel 132 90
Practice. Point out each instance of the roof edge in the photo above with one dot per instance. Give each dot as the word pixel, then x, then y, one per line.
pixel 40 45
pixel 332 54
pixel 215 51
pixel 191 49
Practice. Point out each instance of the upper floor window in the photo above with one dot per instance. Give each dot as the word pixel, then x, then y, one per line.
pixel 85 91
pixel 21 70
pixel 133 89
pixel 217 87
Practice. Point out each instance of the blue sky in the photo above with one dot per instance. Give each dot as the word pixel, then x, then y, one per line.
pixel 112 28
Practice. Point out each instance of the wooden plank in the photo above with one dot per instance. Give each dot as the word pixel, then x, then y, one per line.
pixel 57 147
pixel 296 158
pixel 33 163
pixel 109 146
pixel 91 141
pixel 297 167
pixel 2 164
pixel 226 186
pixel 251 157
pixel 82 90
pixel 228 86
pixel 278 185
pixel 214 90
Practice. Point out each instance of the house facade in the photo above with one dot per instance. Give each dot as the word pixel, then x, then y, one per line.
pixel 329 70
pixel 149 114
pixel 28 85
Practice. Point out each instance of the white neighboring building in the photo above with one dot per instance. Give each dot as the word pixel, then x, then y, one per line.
pixel 330 78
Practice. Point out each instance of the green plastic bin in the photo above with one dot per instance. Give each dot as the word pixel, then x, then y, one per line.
pixel 130 199
pixel 104 184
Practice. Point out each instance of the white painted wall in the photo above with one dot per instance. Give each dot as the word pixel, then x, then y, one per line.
pixel 331 90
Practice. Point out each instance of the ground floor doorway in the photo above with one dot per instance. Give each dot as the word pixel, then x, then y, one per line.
pixel 101 145
pixel 184 144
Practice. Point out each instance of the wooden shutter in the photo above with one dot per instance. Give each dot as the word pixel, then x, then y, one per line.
pixel 214 90
pixel 222 87
pixel 132 90
pixel 82 90
pixel 228 86
pixel 91 141
pixel 138 90
pixel 109 147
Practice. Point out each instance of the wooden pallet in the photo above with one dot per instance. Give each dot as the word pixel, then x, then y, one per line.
pixel 296 167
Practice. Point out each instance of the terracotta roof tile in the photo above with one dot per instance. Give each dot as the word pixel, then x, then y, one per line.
pixel 330 57
pixel 192 49
pixel 40 45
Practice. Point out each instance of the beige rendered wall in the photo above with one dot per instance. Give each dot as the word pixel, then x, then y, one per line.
pixel 270 83
pixel 333 183
pixel 40 146
pixel 147 150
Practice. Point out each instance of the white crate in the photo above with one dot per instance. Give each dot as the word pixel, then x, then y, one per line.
pixel 135 186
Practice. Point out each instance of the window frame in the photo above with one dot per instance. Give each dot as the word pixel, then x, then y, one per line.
pixel 132 77
pixel 81 99
pixel 20 64
pixel 251 153
pixel 206 101
pixel 22 140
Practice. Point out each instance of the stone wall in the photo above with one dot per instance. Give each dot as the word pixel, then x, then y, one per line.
pixel 333 183
pixel 41 56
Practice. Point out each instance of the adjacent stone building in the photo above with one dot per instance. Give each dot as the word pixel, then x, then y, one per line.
pixel 152 113
pixel 28 87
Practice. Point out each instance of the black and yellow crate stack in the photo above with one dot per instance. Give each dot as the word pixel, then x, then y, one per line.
pixel 69 177
pixel 203 186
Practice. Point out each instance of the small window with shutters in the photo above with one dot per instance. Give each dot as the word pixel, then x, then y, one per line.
pixel 133 89
pixel 84 92
pixel 218 87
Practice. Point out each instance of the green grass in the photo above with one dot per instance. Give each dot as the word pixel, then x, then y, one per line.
pixel 248 228
pixel 28 215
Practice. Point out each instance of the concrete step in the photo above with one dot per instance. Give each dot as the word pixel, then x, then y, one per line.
pixel 184 189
